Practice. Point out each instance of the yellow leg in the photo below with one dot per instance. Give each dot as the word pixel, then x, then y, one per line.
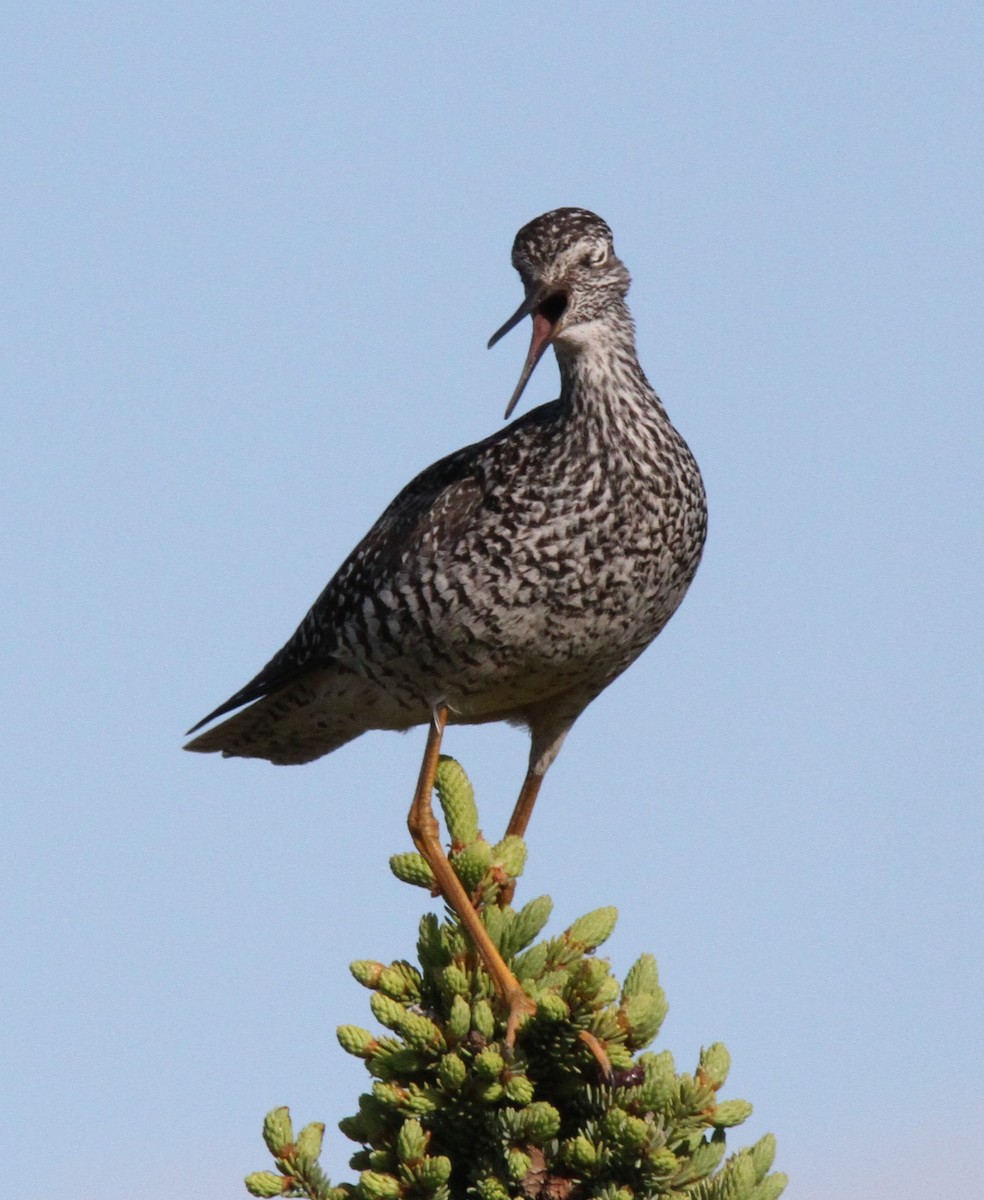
pixel 524 805
pixel 517 827
pixel 426 837
pixel 519 820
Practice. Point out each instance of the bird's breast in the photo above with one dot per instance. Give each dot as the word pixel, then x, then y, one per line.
pixel 562 573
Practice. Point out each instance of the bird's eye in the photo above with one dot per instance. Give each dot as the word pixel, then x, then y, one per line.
pixel 596 256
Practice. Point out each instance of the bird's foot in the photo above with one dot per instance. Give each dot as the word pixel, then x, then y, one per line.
pixel 598 1054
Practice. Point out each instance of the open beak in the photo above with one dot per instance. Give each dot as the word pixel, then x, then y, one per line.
pixel 546 309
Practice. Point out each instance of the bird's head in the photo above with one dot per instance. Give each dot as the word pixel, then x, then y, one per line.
pixel 572 276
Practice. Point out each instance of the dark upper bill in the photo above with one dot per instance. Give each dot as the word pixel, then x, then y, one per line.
pixel 546 309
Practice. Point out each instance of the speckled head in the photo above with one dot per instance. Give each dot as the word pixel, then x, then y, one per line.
pixel 548 240
pixel 572 278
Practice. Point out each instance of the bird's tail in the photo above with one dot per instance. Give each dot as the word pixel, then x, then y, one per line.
pixel 297 724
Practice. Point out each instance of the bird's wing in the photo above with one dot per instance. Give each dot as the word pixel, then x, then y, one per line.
pixel 428 515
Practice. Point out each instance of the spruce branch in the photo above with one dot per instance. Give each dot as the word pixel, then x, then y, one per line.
pixel 576 1110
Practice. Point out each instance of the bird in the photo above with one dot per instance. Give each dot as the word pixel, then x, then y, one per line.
pixel 512 580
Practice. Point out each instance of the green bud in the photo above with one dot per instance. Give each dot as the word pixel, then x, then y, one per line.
pixel 386 1011
pixel 738 1176
pixel 309 1140
pixel 531 964
pixel 705 1158
pixel 380 1159
pixel 422 1101
pixel 456 980
pixel 582 1153
pixel 431 946
pixel 659 1066
pixel 656 1095
pixel 451 1072
pixel 619 1058
pixel 642 977
pixel 412 978
pixel 373 1119
pixel 483 1019
pixel 541 1121
pixel 491 1188
pixel 278 1133
pixel 636 1133
pixel 394 983
pixel 367 972
pixel 357 1041
pixel 593 928
pixel 730 1112
pixel 556 980
pixel 763 1155
pixel 586 981
pixel 388 1094
pixel 605 1025
pixel 519 1090
pixel 411 1141
pixel 551 1007
pixel 518 1165
pixel 693 1095
pixel 375 1185
pixel 529 922
pixel 433 1173
pixel 612 1124
pixel 771 1188
pixel 421 1032
pixel 509 856
pixel 491 1092
pixel 488 1064
pixel 641 1016
pixel 411 868
pixel 607 992
pixel 664 1161
pixel 715 1062
pixel 354 1128
pixel 265 1183
pixel 495 921
pixel 471 863
pixel 457 799
pixel 396 1062
pixel 460 1017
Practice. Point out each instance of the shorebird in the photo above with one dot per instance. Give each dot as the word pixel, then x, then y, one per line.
pixel 510 581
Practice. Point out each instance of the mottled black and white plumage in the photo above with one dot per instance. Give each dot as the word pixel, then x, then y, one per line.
pixel 514 579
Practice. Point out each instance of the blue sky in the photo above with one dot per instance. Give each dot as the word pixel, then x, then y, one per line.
pixel 252 254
